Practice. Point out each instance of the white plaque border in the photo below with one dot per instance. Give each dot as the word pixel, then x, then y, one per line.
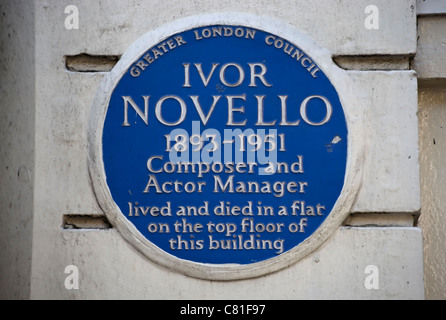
pixel 353 175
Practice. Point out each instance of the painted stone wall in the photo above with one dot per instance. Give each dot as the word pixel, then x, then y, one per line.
pixel 376 253
pixel 430 64
pixel 17 122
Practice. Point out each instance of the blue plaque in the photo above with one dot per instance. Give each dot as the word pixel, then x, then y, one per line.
pixel 224 145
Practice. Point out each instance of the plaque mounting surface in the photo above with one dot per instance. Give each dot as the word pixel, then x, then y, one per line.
pixel 220 147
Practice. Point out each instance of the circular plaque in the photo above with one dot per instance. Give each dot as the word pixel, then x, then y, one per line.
pixel 219 147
